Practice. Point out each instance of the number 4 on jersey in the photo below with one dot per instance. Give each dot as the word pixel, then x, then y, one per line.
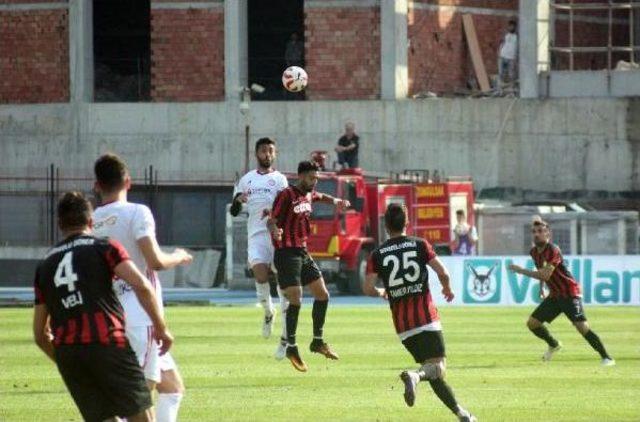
pixel 64 273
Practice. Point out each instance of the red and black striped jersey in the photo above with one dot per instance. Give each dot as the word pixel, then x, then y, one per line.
pixel 561 283
pixel 401 263
pixel 75 282
pixel 292 210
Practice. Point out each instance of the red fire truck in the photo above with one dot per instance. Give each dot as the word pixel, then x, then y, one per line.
pixel 340 242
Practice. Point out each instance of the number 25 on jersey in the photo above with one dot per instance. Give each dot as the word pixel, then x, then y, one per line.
pixel 408 270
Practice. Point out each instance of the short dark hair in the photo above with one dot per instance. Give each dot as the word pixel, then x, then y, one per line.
pixel 74 211
pixel 460 212
pixel 305 166
pixel 110 171
pixel 513 22
pixel 265 141
pixel 395 218
pixel 540 223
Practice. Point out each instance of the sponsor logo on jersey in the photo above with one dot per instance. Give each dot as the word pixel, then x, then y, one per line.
pixel 482 281
pixel 256 191
pixel 302 208
pixel 120 287
pixel 109 221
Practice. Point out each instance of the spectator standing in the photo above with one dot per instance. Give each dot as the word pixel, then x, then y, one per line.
pixel 508 55
pixel 348 146
pixel 465 236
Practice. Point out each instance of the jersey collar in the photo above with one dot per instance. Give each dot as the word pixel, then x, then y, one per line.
pixel 299 190
pixel 540 250
pixel 115 201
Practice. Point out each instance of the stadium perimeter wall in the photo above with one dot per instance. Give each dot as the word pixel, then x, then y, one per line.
pixel 550 145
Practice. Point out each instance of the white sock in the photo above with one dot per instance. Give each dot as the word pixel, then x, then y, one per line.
pixel 263 291
pixel 284 305
pixel 462 412
pixel 167 407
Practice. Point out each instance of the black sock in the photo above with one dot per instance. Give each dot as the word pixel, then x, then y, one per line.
pixel 445 394
pixel 597 345
pixel 292 323
pixel 318 314
pixel 543 333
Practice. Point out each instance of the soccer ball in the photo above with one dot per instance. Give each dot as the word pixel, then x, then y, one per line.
pixel 294 79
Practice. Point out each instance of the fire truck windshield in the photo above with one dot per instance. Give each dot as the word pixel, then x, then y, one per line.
pixel 323 211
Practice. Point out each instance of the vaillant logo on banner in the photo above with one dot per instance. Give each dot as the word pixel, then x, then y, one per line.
pixel 482 281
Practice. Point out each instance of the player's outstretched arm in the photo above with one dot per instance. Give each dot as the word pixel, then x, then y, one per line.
pixel 41 331
pixel 342 204
pixel 159 260
pixel 127 271
pixel 543 274
pixel 444 278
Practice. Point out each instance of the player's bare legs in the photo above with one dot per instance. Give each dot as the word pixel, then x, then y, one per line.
pixel 320 304
pixel 262 272
pixel 144 416
pixel 433 370
pixel 170 392
pixel 539 330
pixel 284 305
pixel 595 342
pixel 294 295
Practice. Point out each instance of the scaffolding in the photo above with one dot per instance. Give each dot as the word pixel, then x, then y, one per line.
pixel 571 7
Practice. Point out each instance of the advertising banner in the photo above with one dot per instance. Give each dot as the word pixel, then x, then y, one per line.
pixel 485 280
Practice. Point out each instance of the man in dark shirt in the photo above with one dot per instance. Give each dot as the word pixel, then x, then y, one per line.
pixel 290 228
pixel 564 294
pixel 348 146
pixel 80 324
pixel 401 263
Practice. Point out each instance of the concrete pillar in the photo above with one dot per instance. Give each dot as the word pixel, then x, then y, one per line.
pixel 236 48
pixel 545 33
pixel 528 49
pixel 81 51
pixel 394 70
pixel 636 32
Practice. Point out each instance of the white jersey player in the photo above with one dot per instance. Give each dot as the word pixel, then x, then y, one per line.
pixel 257 189
pixel 134 227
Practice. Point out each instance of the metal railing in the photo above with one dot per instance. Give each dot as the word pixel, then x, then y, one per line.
pixel 571 6
pixel 28 206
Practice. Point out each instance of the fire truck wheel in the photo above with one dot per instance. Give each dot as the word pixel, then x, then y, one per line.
pixel 356 278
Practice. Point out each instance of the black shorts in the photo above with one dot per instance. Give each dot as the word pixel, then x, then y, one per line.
pixel 104 381
pixel 295 267
pixel 425 345
pixel 551 307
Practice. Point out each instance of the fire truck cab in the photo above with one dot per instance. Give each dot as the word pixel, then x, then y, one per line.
pixel 341 242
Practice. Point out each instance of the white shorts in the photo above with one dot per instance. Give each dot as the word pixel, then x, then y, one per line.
pixel 260 249
pixel 148 353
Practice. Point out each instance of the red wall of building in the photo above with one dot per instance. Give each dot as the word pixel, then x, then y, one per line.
pixel 342 52
pixel 342 48
pixel 438 55
pixel 34 55
pixel 187 54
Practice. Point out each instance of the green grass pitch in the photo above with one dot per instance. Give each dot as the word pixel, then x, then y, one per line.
pixel 494 367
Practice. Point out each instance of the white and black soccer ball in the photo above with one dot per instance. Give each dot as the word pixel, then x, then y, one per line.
pixel 294 79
